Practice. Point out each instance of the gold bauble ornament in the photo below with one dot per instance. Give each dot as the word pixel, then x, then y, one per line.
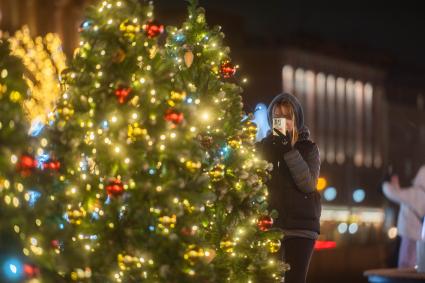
pixel 129 29
pixel 188 58
pixel 217 173
pixel 250 129
pixel 167 221
pixel 135 131
pixel 234 142
pixel 176 97
pixel 193 253
pixel 75 216
pixel 227 246
pixel 153 51
pixel 119 56
pixel 273 246
pixel 66 112
pixel 15 96
pixel 193 166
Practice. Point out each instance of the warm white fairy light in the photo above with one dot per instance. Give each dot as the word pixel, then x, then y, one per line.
pixel 205 116
pixel 15 202
pixel 13 159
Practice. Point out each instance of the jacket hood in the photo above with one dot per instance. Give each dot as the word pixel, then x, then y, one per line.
pixel 303 131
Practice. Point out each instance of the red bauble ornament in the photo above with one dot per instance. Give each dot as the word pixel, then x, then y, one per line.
pixel 264 223
pixel 227 69
pixel 31 271
pixel 153 29
pixel 52 165
pixel 174 116
pixel 122 93
pixel 55 244
pixel 26 164
pixel 186 231
pixel 115 188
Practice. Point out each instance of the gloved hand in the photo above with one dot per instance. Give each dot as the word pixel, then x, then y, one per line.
pixel 282 142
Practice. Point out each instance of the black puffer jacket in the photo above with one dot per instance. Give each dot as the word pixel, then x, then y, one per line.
pixel 292 187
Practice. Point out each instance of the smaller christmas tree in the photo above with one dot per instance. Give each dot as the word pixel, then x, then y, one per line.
pixel 237 222
pixel 13 145
pixel 28 91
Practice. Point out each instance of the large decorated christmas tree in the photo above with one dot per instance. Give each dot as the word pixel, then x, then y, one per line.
pixel 151 172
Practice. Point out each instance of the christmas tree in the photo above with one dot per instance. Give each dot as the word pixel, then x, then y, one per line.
pixel 13 124
pixel 238 225
pixel 152 173
pixel 15 161
pixel 29 89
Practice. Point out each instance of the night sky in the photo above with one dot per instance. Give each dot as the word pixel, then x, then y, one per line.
pixel 397 31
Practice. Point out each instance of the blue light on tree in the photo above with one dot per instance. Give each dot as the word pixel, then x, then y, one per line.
pixel 179 37
pixel 36 128
pixel 33 197
pixel 85 25
pixel 95 216
pixel 105 125
pixel 13 269
pixel 41 159
pixel 65 216
pixel 225 151
pixel 261 120
pixel 108 200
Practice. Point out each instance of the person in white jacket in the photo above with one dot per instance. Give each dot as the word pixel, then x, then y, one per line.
pixel 410 217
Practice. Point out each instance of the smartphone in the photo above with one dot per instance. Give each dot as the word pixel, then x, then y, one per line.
pixel 280 124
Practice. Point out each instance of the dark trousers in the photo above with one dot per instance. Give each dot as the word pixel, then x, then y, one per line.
pixel 297 253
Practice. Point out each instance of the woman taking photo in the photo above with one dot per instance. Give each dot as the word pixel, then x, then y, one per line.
pixel 292 187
